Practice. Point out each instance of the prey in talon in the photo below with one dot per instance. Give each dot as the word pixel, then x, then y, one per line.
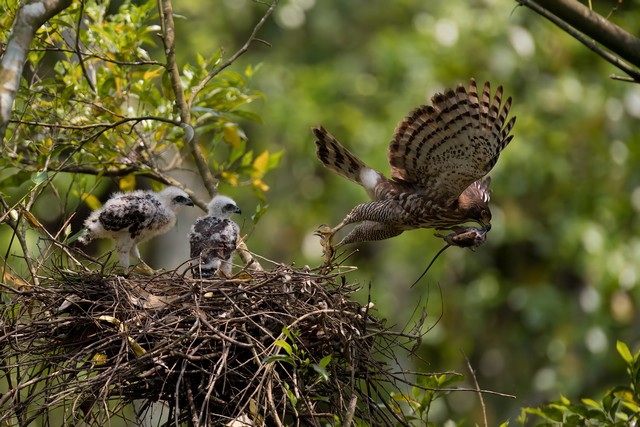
pixel 466 237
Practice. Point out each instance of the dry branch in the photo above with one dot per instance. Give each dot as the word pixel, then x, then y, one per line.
pixel 30 17
pixel 597 27
pixel 168 38
pixel 592 30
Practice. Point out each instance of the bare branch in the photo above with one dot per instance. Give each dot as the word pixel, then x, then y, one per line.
pixel 89 55
pixel 597 27
pixel 90 80
pixel 29 18
pixel 477 386
pixel 590 29
pixel 168 38
pixel 106 125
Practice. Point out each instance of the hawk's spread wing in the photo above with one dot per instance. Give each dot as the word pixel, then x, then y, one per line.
pixel 442 149
pixel 213 239
pixel 130 211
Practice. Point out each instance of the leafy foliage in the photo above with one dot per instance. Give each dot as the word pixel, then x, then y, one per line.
pixel 619 407
pixel 307 373
pixel 429 388
pixel 98 101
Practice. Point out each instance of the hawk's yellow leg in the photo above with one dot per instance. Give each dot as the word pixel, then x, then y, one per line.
pixel 326 235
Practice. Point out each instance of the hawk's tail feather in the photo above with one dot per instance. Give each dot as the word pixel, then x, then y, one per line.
pixel 337 158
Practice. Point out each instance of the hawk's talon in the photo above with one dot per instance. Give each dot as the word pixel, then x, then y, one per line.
pixel 326 235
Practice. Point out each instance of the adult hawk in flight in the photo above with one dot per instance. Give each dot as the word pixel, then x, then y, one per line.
pixel 132 218
pixel 213 238
pixel 439 155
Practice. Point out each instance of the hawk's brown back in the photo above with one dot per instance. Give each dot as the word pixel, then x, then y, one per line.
pixel 441 149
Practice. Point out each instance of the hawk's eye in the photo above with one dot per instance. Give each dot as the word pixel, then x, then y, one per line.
pixel 229 207
pixel 485 215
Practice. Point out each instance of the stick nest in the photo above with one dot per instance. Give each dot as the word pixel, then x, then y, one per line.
pixel 280 347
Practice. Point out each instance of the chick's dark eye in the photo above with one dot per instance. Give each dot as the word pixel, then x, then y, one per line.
pixel 229 207
pixel 180 199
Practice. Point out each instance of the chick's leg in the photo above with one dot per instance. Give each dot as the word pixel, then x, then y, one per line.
pixel 142 267
pixel 122 249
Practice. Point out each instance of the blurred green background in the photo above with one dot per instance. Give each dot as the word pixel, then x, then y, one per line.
pixel 539 308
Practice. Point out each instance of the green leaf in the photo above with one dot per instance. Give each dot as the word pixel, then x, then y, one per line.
pixel 278 358
pixel 287 333
pixel 260 164
pixel 75 236
pixel 321 371
pixel 153 73
pixel 92 201
pixel 324 362
pixel 249 115
pixel 127 183
pixel 634 407
pixel 40 177
pixel 292 397
pixel 260 210
pixel 216 58
pixel 592 403
pixel 200 60
pixel 13 177
pixel 167 89
pixel 249 71
pixel 247 158
pixel 274 159
pixel 237 152
pixel 231 135
pixel 447 380
pixel 624 352
pixel 622 392
pixel 285 346
pixel 551 412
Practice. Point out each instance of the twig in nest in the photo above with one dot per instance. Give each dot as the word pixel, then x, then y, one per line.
pixel 211 350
